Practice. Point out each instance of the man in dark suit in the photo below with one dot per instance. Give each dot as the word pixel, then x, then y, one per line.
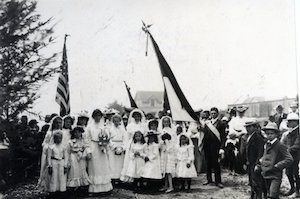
pixel 291 139
pixel 254 150
pixel 279 115
pixel 213 145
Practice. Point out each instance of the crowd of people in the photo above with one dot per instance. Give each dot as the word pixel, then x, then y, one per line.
pixel 93 154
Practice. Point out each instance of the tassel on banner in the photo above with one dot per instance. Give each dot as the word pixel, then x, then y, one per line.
pixel 145 29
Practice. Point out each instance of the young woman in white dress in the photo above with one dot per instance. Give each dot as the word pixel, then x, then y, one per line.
pixel 98 163
pixel 116 147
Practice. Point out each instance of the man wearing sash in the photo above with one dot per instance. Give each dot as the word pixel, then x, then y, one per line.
pixel 213 145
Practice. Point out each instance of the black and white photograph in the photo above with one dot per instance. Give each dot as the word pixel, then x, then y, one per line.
pixel 147 99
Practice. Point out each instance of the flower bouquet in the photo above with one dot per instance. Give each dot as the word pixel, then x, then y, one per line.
pixel 103 141
pixel 119 150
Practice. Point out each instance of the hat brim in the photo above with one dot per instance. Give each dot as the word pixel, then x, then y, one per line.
pixel 264 129
pixel 250 124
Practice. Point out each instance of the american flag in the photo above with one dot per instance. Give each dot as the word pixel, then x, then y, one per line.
pixel 63 92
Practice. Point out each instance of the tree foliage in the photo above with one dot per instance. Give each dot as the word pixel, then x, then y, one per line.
pixel 115 105
pixel 24 37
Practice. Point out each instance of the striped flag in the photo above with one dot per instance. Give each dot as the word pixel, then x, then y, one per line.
pixel 180 108
pixel 63 92
pixel 132 102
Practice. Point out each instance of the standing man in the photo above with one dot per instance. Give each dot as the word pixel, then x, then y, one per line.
pixel 213 145
pixel 254 151
pixel 291 139
pixel 279 115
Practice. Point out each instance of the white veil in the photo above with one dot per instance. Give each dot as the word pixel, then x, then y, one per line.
pixel 160 124
pixel 131 119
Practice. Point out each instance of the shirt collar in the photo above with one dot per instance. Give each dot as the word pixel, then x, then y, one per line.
pixel 273 141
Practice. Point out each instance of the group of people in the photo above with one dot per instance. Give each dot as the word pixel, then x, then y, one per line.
pixel 101 151
pixel 97 153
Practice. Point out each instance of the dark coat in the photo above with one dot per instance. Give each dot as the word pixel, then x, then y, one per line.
pixel 210 139
pixel 292 141
pixel 254 149
pixel 275 158
pixel 279 118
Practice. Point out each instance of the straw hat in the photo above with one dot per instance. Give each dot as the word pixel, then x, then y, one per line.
pixel 250 121
pixel 271 126
pixel 292 116
pixel 241 108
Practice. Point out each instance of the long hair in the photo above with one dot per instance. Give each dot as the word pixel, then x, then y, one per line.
pixel 153 136
pixel 134 139
pixel 187 141
pixel 54 122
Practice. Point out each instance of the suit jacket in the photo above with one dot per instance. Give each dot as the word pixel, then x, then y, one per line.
pixel 210 139
pixel 279 118
pixel 275 158
pixel 292 141
pixel 254 149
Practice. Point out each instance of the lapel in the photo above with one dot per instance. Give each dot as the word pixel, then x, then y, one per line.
pixel 251 139
pixel 269 147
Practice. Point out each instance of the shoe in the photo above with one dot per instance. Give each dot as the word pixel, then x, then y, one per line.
pixel 295 195
pixel 169 190
pixel 207 183
pixel 290 192
pixel 162 189
pixel 220 185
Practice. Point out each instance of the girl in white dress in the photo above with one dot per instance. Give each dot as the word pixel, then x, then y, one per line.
pixel 56 125
pixel 98 164
pixel 57 159
pixel 151 170
pixel 136 122
pixel 136 162
pixel 116 148
pixel 66 130
pixel 168 149
pixel 185 169
pixel 77 175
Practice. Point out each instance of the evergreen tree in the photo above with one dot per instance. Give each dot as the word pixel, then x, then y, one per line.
pixel 23 63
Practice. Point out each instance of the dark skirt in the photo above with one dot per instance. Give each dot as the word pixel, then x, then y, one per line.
pixel 198 156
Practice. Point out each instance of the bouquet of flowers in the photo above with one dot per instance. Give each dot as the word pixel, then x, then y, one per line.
pixel 119 150
pixel 103 141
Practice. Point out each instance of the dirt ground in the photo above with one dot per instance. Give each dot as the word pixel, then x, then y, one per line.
pixel 235 188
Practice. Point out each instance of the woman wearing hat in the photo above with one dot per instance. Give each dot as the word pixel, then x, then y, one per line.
pixel 236 124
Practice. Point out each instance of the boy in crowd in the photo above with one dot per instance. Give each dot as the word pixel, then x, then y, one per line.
pixel 276 157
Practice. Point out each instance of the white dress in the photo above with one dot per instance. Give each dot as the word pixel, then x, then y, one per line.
pixel 131 129
pixel 152 169
pixel 136 163
pixel 185 156
pixel 236 126
pixel 77 175
pixel 58 159
pixel 66 137
pixel 44 178
pixel 98 165
pixel 116 151
pixel 168 152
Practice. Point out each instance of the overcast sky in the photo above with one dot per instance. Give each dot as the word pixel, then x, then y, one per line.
pixel 220 51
